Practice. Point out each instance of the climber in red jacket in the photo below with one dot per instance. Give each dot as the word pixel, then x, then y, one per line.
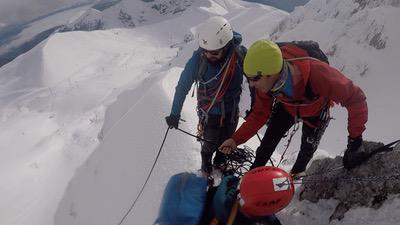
pixel 291 86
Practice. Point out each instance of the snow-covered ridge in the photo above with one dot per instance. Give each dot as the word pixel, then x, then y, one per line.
pixel 106 15
pixel 55 97
pixel 128 14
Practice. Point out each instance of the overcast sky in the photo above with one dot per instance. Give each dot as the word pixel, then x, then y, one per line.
pixel 12 11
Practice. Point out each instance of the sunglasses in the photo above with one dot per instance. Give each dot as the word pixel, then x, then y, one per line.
pixel 255 78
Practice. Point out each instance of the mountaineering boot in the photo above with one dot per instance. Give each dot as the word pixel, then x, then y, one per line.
pixel 219 161
pixel 206 166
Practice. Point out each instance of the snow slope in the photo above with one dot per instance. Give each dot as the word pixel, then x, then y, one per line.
pixel 55 104
pixel 136 149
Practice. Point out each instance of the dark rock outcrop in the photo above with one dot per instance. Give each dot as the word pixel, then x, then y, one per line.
pixel 366 185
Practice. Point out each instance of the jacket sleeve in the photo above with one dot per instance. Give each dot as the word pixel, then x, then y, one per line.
pixel 188 76
pixel 260 113
pixel 332 84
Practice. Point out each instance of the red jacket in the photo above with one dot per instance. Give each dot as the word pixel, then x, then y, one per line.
pixel 325 81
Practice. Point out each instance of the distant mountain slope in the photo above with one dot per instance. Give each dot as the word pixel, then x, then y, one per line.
pixel 287 5
pixel 104 15
pixel 20 38
pixel 125 13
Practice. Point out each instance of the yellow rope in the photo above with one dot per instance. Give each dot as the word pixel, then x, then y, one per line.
pixel 233 213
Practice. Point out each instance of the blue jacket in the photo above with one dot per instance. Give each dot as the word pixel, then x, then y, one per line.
pixel 190 73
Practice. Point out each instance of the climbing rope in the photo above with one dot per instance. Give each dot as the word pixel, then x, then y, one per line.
pixel 388 147
pixel 238 161
pixel 349 179
pixel 292 133
pixel 239 157
pixel 145 183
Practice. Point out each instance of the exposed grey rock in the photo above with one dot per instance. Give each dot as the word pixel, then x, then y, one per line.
pixel 125 18
pixel 89 25
pixel 397 147
pixel 376 3
pixel 366 185
pixel 171 6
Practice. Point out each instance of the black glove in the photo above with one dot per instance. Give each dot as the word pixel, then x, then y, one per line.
pixel 173 121
pixel 355 154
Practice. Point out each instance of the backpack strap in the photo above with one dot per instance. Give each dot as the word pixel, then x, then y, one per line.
pixel 241 53
pixel 311 47
pixel 314 53
pixel 308 93
pixel 202 68
pixel 302 58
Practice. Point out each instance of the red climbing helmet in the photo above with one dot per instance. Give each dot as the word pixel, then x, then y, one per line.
pixel 265 191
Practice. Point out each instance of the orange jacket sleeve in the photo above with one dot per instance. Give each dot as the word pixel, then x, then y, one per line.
pixel 332 84
pixel 260 113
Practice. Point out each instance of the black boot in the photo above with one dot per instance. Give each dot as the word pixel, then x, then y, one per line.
pixel 206 166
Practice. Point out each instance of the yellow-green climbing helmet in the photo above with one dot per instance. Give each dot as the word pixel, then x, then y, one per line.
pixel 264 57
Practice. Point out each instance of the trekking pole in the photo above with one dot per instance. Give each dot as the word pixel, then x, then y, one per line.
pixel 270 160
pixel 147 179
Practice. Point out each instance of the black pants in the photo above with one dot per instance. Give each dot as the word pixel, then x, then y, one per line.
pixel 216 133
pixel 280 122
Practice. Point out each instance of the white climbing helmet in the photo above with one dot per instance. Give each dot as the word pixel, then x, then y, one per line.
pixel 215 33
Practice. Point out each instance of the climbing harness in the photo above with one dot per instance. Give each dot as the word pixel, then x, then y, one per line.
pixel 207 97
pixel 324 119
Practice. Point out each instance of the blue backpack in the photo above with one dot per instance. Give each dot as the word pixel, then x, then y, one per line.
pixel 183 201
